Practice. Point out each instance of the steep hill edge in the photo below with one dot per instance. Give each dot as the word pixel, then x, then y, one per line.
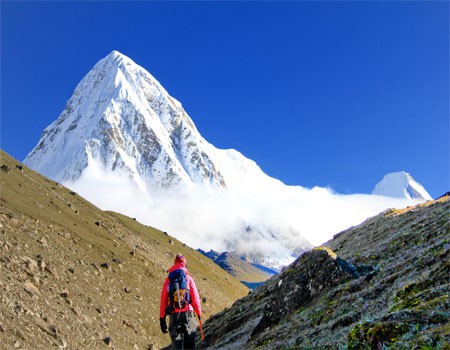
pixel 74 276
pixel 387 287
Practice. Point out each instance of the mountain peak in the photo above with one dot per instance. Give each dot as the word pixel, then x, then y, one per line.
pixel 118 58
pixel 401 185
pixel 120 117
pixel 122 129
pixel 115 53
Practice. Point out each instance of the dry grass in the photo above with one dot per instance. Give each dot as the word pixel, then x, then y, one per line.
pixel 73 275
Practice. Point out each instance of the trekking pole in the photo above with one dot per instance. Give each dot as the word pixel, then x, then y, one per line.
pixel 201 328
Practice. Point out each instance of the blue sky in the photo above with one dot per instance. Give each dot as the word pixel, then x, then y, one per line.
pixel 317 93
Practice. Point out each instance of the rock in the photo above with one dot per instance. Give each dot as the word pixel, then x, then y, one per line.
pixel 31 265
pixel 95 266
pixel 130 325
pixel 87 319
pixel 106 265
pixel 46 327
pixel 19 167
pixel 43 241
pixel 312 273
pixel 108 341
pixel 51 271
pixel 4 168
pixel 31 289
pixel 21 335
pixel 64 234
pixel 41 264
pixel 76 310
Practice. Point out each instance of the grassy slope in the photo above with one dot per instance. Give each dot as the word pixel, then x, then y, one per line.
pixel 405 304
pixel 55 291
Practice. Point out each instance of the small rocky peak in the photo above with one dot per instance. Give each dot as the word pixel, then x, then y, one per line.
pixel 311 274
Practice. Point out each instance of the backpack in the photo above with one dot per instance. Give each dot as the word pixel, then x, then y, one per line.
pixel 178 289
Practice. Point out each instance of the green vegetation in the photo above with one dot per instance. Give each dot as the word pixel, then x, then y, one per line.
pixel 375 335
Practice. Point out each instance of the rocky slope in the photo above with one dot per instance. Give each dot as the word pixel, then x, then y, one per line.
pixel 75 277
pixel 383 284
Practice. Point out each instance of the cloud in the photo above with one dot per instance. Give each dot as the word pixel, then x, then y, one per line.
pixel 272 221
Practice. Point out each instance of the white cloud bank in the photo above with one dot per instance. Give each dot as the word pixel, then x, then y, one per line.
pixel 270 221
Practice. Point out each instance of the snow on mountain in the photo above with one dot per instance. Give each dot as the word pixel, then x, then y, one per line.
pixel 120 116
pixel 401 185
pixel 125 144
pixel 120 120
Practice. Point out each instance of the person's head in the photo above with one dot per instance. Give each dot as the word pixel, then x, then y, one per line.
pixel 180 259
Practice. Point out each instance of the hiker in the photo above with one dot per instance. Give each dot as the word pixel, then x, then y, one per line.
pixel 179 300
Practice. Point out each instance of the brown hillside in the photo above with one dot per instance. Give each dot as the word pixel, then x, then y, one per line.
pixel 76 277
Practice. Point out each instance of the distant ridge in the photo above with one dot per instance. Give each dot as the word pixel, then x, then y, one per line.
pixel 447 194
pixel 250 274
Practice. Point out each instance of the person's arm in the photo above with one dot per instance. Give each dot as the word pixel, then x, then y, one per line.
pixel 195 297
pixel 164 299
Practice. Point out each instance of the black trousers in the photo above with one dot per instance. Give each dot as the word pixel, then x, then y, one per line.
pixel 182 330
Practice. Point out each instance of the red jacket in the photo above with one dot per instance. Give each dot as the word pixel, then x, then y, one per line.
pixel 195 304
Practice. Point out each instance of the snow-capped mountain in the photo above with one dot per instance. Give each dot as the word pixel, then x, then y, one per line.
pixel 120 116
pixel 121 120
pixel 126 145
pixel 401 185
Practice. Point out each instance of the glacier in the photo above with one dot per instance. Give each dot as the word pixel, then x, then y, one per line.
pixel 126 145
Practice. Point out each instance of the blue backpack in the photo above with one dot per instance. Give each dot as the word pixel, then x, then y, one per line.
pixel 178 289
